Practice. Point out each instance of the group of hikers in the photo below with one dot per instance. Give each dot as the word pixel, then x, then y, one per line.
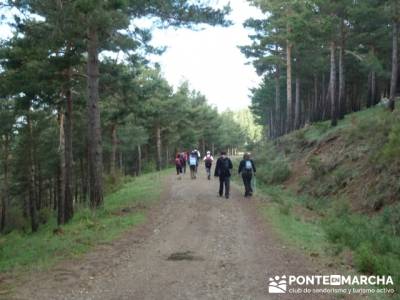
pixel 223 168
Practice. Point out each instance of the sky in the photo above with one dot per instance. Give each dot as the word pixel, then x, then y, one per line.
pixel 208 59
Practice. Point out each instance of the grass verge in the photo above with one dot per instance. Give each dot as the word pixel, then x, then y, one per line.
pixel 122 210
pixel 313 235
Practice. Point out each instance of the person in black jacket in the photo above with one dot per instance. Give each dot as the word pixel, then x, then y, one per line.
pixel 223 171
pixel 247 168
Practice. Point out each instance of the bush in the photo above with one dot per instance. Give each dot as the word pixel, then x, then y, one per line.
pixel 316 204
pixel 365 259
pixel 391 150
pixel 45 214
pixel 272 167
pixel 391 219
pixel 285 208
pixel 317 167
pixel 274 172
pixel 16 221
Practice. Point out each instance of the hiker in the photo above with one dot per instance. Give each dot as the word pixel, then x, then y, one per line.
pixel 247 169
pixel 223 171
pixel 193 162
pixel 178 165
pixel 184 158
pixel 208 160
pixel 196 153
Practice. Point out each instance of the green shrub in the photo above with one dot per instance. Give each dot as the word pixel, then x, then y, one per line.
pixel 391 219
pixel 322 127
pixel 273 172
pixel 365 259
pixel 16 221
pixel 391 150
pixel 112 183
pixel 300 136
pixel 314 203
pixel 272 167
pixel 285 208
pixel 341 176
pixel 317 166
pixel 45 214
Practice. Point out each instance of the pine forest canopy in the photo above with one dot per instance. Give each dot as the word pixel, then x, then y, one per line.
pixel 71 116
pixel 55 85
pixel 322 59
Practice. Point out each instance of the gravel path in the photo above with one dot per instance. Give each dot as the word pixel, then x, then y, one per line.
pixel 195 246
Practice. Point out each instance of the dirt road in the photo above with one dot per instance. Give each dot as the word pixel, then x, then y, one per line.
pixel 195 246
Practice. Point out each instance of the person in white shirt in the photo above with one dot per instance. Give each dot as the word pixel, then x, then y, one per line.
pixel 208 160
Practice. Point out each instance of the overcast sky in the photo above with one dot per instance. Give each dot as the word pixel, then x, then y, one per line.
pixel 208 59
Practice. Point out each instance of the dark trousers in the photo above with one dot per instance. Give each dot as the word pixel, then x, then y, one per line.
pixel 208 171
pixel 247 183
pixel 193 172
pixel 224 180
pixel 178 170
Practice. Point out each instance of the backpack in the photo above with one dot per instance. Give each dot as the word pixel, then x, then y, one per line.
pixel 224 170
pixel 192 160
pixel 248 166
pixel 178 162
pixel 208 162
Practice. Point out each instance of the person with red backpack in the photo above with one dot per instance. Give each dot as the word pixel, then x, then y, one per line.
pixel 208 160
pixel 223 171
pixel 178 165
pixel 183 157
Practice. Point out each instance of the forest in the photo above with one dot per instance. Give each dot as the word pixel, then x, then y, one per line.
pixel 82 107
pixel 90 128
pixel 321 60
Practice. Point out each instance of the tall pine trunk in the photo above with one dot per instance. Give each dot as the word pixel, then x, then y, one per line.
pixel 374 89
pixel 270 125
pixel 61 174
pixel 158 146
pixel 5 197
pixel 324 98
pixel 278 101
pixel 31 190
pixel 395 67
pixel 139 160
pixel 297 117
pixel 69 188
pixel 289 120
pixel 334 104
pixel 342 87
pixel 114 143
pixel 94 126
pixel 315 106
pixel 369 90
pixel 83 181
